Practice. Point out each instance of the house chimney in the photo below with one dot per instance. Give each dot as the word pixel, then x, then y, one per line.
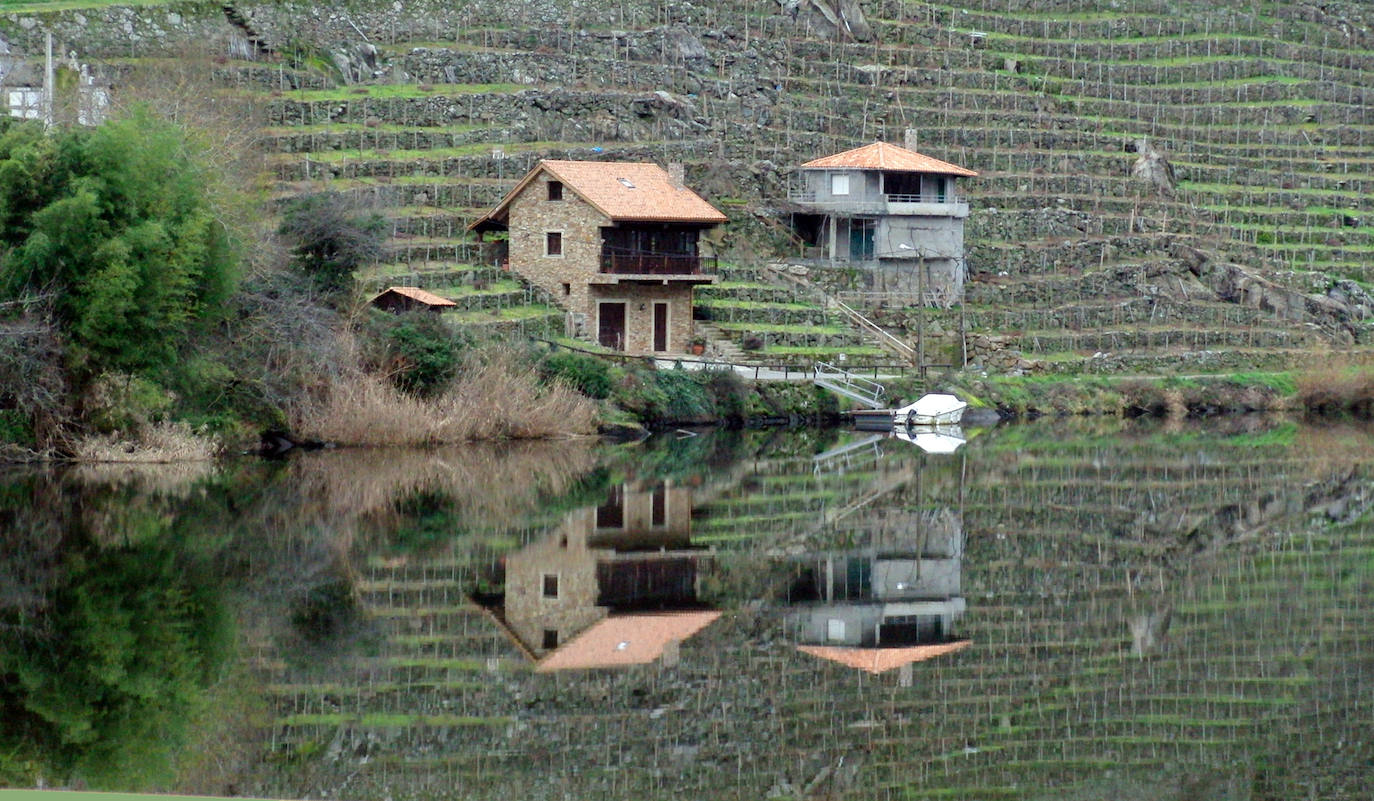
pixel 676 174
pixel 909 137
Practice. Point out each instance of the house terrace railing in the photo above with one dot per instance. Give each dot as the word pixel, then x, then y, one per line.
pixel 809 196
pixel 655 263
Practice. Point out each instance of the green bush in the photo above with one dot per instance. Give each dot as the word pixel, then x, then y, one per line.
pixel 417 351
pixel 16 428
pixel 330 237
pixel 587 374
pixel 118 225
pixel 686 397
pixel 425 352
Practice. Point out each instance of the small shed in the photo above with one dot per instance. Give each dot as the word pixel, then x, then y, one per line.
pixel 397 299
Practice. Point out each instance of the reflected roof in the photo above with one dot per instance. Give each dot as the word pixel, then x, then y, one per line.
pixel 625 640
pixel 881 660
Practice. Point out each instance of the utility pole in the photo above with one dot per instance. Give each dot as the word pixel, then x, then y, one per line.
pixel 48 85
pixel 921 315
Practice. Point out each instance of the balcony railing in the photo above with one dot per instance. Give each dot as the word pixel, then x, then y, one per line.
pixel 656 263
pixel 928 197
pixel 809 196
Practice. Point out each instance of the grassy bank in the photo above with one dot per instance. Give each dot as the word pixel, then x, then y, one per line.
pixel 1326 391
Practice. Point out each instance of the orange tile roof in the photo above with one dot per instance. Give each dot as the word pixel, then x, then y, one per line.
pixel 882 156
pixel 623 191
pixel 879 660
pixel 416 293
pixel 623 640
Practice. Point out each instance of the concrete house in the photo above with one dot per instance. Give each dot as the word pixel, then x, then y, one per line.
pixel 616 244
pixel 893 211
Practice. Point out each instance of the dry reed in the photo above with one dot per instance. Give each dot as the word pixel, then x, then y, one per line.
pixel 159 443
pixel 1337 389
pixel 491 481
pixel 500 399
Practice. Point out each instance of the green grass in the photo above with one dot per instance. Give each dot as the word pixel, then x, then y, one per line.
pixel 389 721
pixel 755 305
pixel 779 328
pixel 820 350
pixel 499 315
pixel 38 6
pixel 401 90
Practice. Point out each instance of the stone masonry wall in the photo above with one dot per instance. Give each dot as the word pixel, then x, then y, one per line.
pixel 639 322
pixel 532 217
pixel 568 278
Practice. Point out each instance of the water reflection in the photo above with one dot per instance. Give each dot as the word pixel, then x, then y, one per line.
pixel 1187 602
pixel 612 585
pixel 888 604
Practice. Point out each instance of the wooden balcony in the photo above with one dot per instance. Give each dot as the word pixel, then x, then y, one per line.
pixel 657 267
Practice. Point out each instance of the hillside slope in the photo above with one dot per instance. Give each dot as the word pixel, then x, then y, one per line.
pixel 1256 254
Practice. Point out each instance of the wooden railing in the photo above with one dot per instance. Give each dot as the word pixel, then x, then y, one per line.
pixel 655 263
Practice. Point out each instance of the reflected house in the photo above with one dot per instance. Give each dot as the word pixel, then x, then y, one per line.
pixel 613 585
pixel 888 605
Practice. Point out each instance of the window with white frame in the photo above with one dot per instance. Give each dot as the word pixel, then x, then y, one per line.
pixel 839 183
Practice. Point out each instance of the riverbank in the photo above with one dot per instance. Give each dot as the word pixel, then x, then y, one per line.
pixel 1333 391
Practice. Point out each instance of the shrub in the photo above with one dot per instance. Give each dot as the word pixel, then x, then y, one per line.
pixel 502 398
pixel 424 354
pixel 728 392
pixel 16 428
pixel 685 397
pixel 330 237
pixel 587 374
pixel 1338 390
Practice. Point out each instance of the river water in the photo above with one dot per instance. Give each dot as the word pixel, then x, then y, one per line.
pixel 1075 609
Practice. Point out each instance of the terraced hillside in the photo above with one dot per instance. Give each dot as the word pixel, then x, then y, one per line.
pixel 1258 253
pixel 1151 614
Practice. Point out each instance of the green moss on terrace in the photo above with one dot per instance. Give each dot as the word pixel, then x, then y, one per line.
pixel 389 90
pixel 40 6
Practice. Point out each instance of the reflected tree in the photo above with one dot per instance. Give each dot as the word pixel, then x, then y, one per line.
pixel 103 669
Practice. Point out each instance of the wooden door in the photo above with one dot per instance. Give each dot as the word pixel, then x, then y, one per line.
pixel 660 327
pixel 611 325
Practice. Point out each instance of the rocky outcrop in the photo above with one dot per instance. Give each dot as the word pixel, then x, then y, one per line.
pixel 1152 168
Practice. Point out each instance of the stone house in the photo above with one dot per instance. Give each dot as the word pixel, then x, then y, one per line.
pixel 616 244
pixel 894 212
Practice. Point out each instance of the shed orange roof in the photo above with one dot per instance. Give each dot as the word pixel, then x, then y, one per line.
pixel 882 156
pixel 879 660
pixel 623 191
pixel 622 640
pixel 417 294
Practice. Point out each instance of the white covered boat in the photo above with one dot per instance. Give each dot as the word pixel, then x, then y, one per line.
pixel 931 439
pixel 933 409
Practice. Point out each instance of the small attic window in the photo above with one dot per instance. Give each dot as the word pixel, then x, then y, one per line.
pixel 555 190
pixel 626 182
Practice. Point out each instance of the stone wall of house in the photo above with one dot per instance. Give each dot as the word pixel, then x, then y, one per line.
pixel 532 217
pixel 639 313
